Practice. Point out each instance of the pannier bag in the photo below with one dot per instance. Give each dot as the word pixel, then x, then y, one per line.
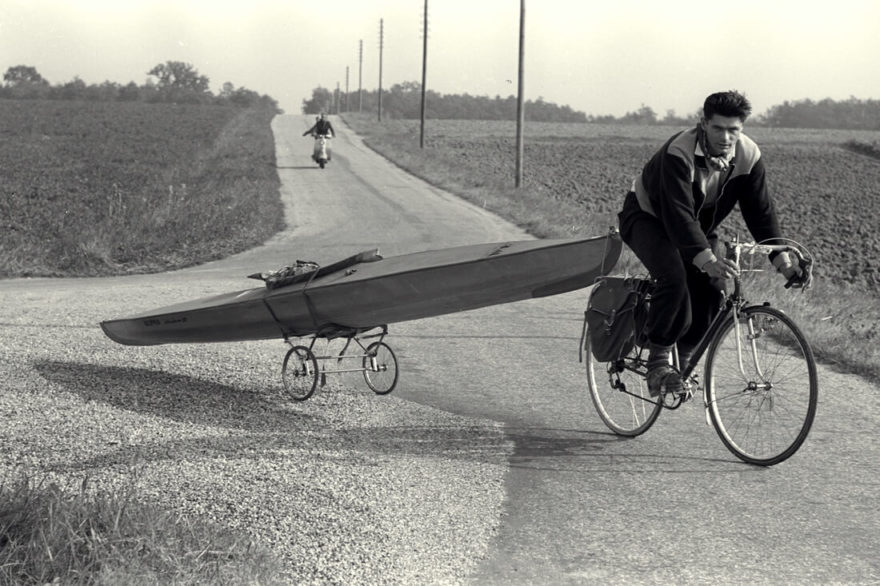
pixel 610 319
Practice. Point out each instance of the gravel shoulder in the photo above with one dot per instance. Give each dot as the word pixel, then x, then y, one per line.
pixel 347 487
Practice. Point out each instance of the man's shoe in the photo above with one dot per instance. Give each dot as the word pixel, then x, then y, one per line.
pixel 663 379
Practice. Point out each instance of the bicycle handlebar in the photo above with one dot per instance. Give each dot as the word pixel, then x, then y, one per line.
pixel 805 261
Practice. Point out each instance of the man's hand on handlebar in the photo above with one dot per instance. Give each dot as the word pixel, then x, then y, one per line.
pixel 797 274
pixel 720 268
pixel 791 271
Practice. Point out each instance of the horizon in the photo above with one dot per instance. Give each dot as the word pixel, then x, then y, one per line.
pixel 597 59
pixel 660 115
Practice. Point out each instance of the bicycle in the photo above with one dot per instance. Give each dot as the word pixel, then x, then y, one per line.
pixel 761 387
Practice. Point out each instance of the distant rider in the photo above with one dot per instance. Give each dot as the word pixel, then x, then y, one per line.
pixel 322 127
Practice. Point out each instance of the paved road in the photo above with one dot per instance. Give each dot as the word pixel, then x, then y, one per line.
pixel 562 500
pixel 583 506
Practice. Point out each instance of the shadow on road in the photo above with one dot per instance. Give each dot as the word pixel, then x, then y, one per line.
pixel 176 397
pixel 585 451
pixel 267 426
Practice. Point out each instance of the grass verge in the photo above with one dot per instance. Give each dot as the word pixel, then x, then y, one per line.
pixel 113 188
pixel 93 537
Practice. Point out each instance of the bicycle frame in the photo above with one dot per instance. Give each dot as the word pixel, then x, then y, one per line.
pixel 734 304
pixel 351 336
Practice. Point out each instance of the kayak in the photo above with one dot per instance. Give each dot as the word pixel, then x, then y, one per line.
pixel 367 290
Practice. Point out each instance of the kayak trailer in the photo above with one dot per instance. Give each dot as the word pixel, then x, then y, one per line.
pixel 303 370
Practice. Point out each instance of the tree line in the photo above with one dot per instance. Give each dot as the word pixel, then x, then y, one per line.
pixel 170 82
pixel 851 114
pixel 403 101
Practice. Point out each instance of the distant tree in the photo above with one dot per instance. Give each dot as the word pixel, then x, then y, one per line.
pixel 176 74
pixel 180 82
pixel 240 97
pixel 672 119
pixel 74 89
pixel 19 75
pixel 645 115
pixel 320 101
pixel 108 91
pixel 227 90
pixel 173 81
pixel 129 92
pixel 403 100
pixel 850 114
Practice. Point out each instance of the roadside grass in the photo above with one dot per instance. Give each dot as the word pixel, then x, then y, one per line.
pixel 92 189
pixel 48 536
pixel 841 320
pixel 113 188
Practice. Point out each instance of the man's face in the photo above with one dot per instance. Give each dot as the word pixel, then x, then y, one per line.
pixel 722 134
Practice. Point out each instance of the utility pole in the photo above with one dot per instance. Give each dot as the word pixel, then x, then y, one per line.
pixel 337 97
pixel 520 111
pixel 360 73
pixel 346 89
pixel 424 76
pixel 381 47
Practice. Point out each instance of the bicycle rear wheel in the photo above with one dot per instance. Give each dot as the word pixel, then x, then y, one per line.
pixel 620 393
pixel 762 410
pixel 380 368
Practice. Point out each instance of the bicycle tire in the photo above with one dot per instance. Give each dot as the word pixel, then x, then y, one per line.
pixel 299 373
pixel 763 417
pixel 383 378
pixel 620 393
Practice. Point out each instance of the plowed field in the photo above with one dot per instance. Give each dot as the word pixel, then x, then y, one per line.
pixel 827 195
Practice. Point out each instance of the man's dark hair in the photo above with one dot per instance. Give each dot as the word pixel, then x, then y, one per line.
pixel 730 104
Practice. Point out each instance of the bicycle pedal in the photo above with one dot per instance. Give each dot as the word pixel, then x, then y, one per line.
pixel 685 395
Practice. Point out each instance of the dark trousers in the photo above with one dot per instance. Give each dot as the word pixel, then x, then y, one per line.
pixel 685 299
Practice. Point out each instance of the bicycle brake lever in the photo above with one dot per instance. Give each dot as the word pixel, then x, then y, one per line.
pixel 803 280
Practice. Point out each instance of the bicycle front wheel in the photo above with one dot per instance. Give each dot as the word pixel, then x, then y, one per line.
pixel 620 393
pixel 761 386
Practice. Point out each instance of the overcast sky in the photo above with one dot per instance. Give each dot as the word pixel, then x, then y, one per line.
pixel 599 57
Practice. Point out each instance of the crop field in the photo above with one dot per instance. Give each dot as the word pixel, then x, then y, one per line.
pixel 109 188
pixel 826 186
pixel 827 194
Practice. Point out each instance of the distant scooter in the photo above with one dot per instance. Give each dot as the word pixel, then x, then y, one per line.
pixel 321 155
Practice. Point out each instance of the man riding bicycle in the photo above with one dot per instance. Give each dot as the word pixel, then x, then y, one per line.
pixel 669 218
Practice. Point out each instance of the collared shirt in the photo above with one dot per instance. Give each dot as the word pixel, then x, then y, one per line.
pixel 710 179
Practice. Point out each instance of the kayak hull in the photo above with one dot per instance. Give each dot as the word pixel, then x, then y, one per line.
pixel 379 292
